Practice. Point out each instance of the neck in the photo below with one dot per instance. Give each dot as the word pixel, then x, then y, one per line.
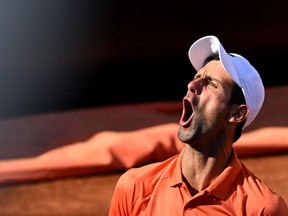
pixel 200 170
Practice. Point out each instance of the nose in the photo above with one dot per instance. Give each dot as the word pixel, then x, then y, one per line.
pixel 196 86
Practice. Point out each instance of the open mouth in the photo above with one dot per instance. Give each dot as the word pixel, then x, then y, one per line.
pixel 187 113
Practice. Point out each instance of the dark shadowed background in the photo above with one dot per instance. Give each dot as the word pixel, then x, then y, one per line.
pixel 69 54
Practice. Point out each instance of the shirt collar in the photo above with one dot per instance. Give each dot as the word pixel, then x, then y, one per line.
pixel 221 185
pixel 177 172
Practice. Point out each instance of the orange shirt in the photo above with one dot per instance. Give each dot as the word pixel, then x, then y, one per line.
pixel 158 189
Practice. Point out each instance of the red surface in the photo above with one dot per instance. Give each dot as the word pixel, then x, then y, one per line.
pixel 90 194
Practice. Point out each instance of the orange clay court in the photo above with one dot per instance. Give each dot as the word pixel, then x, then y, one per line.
pixel 67 163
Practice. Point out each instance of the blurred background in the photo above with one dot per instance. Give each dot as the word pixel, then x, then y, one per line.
pixel 71 54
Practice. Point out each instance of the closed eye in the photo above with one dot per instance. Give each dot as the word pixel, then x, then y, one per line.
pixel 211 82
pixel 208 79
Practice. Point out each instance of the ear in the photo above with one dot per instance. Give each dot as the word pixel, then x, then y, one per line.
pixel 238 113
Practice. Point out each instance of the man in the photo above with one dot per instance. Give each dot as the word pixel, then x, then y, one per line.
pixel 206 178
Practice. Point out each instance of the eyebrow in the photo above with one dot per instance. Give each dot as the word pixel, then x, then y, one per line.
pixel 204 73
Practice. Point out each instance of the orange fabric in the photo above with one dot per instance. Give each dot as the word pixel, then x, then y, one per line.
pixel 110 151
pixel 158 189
pixel 107 151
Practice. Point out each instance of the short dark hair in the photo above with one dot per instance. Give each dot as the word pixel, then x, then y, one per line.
pixel 237 97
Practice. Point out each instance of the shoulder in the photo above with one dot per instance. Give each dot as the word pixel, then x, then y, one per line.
pixel 146 176
pixel 261 197
pixel 135 186
pixel 149 171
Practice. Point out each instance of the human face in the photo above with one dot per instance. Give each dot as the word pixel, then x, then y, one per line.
pixel 205 105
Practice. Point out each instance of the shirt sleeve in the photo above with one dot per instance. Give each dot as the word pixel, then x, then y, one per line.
pixel 123 196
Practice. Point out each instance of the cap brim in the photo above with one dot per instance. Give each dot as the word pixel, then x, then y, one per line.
pixel 209 46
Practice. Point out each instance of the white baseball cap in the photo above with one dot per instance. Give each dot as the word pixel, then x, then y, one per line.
pixel 240 70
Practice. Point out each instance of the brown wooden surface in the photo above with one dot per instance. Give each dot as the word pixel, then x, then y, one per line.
pixel 90 195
